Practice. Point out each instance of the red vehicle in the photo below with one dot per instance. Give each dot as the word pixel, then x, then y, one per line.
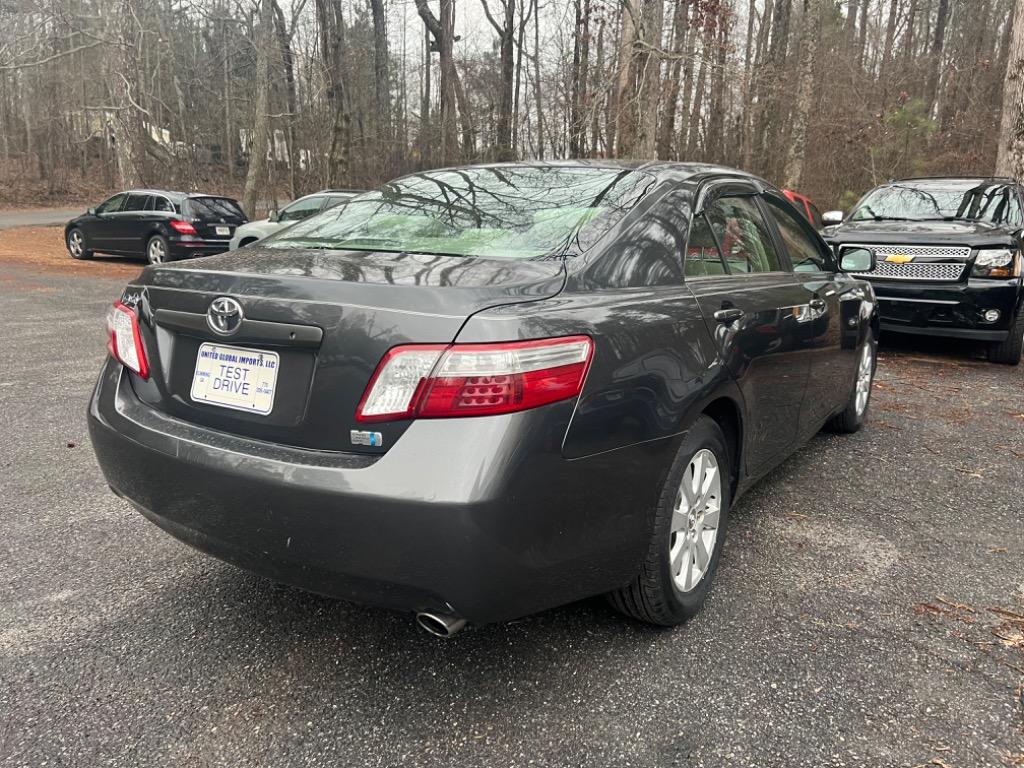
pixel 809 209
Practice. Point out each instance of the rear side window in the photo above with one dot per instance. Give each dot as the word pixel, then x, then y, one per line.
pixel 136 203
pixel 746 244
pixel 804 252
pixel 213 208
pixel 702 255
pixel 161 204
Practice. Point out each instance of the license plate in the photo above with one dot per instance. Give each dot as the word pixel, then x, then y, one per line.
pixel 233 377
pixel 223 230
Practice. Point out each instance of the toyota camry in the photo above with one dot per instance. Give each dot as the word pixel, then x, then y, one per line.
pixel 479 392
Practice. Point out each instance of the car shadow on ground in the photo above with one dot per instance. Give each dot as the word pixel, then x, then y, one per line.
pixel 907 344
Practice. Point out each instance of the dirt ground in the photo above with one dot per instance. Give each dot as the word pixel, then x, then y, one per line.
pixel 43 247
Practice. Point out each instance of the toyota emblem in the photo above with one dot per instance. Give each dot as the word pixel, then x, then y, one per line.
pixel 224 316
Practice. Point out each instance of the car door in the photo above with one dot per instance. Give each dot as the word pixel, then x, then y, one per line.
pixel 100 232
pixel 820 328
pixel 131 225
pixel 750 302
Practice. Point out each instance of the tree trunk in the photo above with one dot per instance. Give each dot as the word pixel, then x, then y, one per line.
pixel 625 98
pixel 935 58
pixel 1010 159
pixel 680 31
pixel 129 147
pixel 442 29
pixel 793 171
pixel 648 63
pixel 506 29
pixel 381 77
pixel 256 175
pixel 284 41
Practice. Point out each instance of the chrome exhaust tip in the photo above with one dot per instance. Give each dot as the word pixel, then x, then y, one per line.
pixel 440 625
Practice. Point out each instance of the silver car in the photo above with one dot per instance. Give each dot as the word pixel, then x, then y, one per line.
pixel 295 211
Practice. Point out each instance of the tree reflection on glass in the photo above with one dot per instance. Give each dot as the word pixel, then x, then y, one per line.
pixel 511 212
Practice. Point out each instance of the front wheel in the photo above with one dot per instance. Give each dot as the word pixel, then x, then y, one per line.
pixel 1009 352
pixel 76 245
pixel 157 251
pixel 689 531
pixel 853 416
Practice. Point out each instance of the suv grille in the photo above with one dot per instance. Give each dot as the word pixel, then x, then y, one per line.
pixel 919 270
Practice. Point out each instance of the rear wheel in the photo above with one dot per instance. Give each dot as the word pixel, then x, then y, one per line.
pixel 1009 352
pixel 689 531
pixel 76 245
pixel 856 412
pixel 157 251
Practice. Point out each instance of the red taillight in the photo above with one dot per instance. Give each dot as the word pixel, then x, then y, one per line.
pixel 182 227
pixel 432 381
pixel 124 339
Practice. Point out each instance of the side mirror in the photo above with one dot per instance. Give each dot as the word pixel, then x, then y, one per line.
pixel 856 259
pixel 91 211
pixel 273 215
pixel 831 218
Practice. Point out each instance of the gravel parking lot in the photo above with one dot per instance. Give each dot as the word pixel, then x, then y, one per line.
pixel 869 610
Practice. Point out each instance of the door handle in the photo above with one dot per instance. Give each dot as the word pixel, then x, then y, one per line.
pixel 817 303
pixel 726 316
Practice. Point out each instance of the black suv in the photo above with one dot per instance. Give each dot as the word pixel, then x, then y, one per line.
pixel 949 259
pixel 159 225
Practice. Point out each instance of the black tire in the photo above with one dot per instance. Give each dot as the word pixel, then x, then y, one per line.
pixel 653 596
pixel 851 419
pixel 76 244
pixel 155 246
pixel 1009 352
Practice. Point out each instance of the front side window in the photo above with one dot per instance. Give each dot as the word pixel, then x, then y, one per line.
pixel 702 255
pixel 489 212
pixel 939 200
pixel 746 244
pixel 301 209
pixel 804 252
pixel 112 205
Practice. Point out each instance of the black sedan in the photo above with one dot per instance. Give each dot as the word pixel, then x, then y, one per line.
pixel 480 392
pixel 156 225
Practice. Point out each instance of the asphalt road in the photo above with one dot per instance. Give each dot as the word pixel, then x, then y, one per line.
pixel 39 217
pixel 850 625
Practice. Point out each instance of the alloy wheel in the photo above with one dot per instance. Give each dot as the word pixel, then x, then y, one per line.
pixel 76 244
pixel 157 252
pixel 694 528
pixel 865 370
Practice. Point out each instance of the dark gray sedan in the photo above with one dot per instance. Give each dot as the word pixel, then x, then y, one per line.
pixel 479 392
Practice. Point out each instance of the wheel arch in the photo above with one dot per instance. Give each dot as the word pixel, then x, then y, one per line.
pixel 728 415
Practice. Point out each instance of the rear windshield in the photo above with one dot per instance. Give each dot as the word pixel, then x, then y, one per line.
pixel 491 212
pixel 993 202
pixel 213 208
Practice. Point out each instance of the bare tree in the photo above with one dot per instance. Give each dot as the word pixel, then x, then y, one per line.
pixel 1010 159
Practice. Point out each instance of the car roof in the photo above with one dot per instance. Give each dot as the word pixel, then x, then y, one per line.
pixel 660 169
pixel 171 195
pixel 956 181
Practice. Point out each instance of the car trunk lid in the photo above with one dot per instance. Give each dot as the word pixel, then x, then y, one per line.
pixel 214 218
pixel 325 319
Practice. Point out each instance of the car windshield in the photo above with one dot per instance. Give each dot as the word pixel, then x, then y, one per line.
pixel 993 202
pixel 513 212
pixel 214 208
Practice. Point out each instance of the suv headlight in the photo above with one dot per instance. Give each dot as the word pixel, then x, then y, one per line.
pixel 996 262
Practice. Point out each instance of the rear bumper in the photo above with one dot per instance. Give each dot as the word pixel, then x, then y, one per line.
pixel 482 517
pixel 187 249
pixel 949 309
